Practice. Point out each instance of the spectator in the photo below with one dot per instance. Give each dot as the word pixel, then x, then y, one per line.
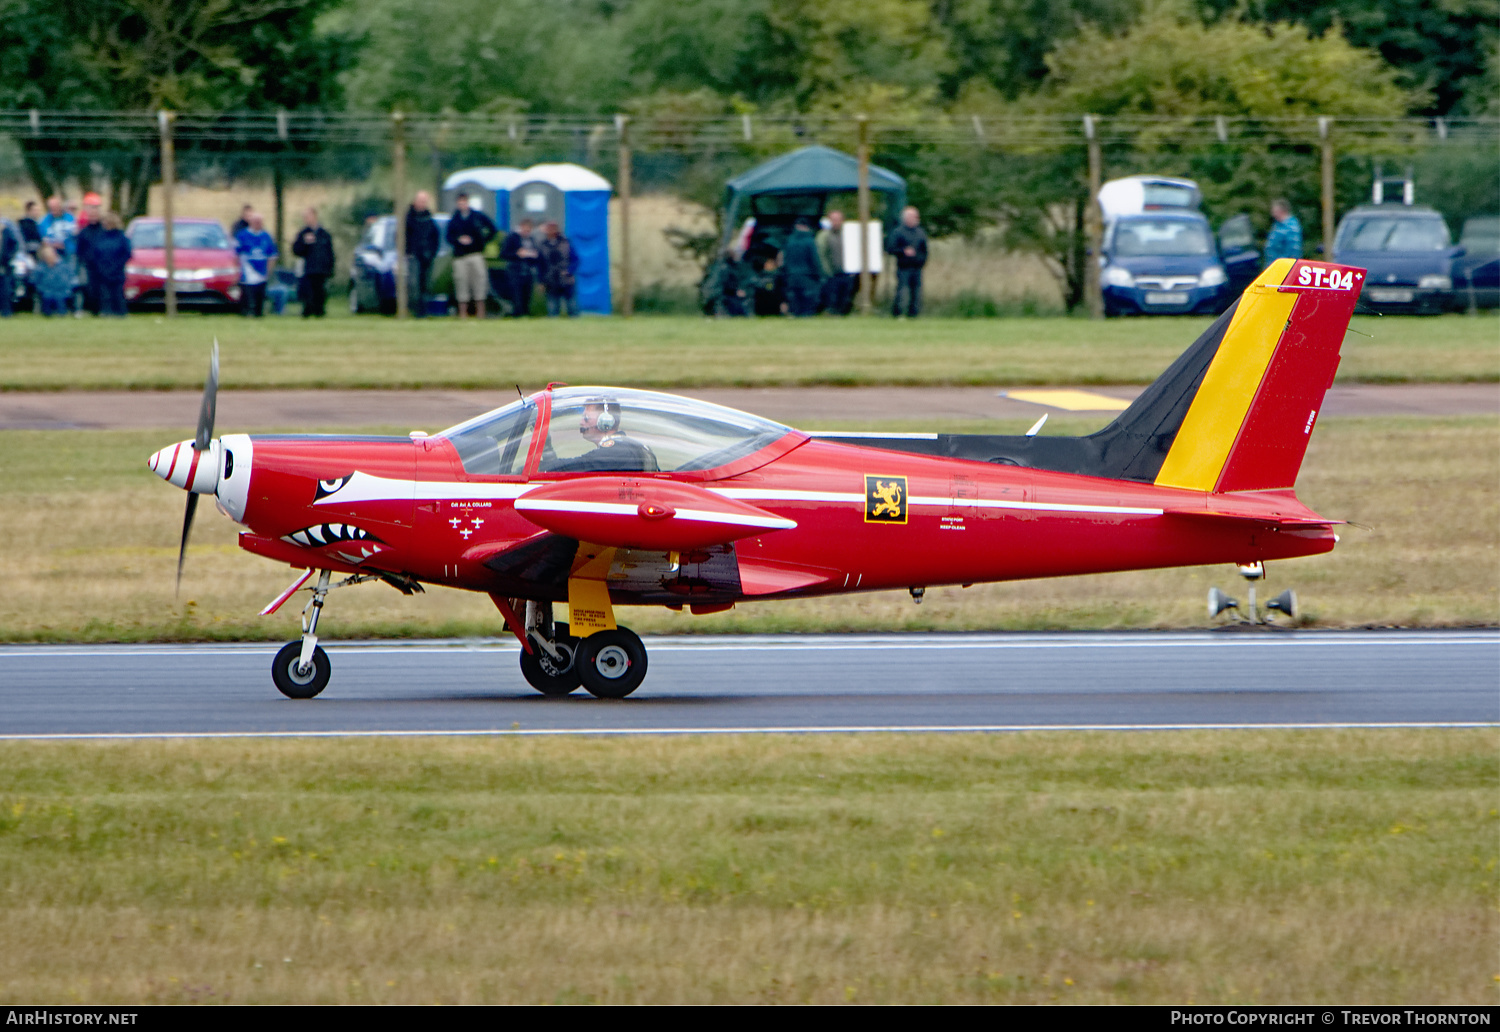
pixel 557 266
pixel 838 288
pixel 10 246
pixel 908 242
pixel 31 233
pixel 243 222
pixel 109 253
pixel 767 287
pixel 804 271
pixel 422 243
pixel 89 228
pixel 315 247
pixel 59 228
pixel 468 231
pixel 53 281
pixel 257 253
pixel 520 255
pixel 1285 238
pixel 731 284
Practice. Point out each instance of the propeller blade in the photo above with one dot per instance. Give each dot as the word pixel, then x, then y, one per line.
pixel 210 402
pixel 187 527
pixel 200 443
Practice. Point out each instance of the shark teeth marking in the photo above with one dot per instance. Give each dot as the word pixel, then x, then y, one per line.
pixel 328 534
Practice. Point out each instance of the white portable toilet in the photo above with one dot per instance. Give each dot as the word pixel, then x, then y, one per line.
pixel 578 201
pixel 488 189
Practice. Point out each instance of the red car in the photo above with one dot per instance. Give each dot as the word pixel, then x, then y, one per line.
pixel 208 270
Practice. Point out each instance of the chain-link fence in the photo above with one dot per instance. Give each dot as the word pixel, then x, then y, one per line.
pixel 1006 198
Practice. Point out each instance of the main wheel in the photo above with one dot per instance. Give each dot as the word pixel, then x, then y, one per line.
pixel 611 664
pixel 544 673
pixel 296 685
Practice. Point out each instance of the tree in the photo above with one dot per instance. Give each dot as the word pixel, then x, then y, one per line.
pixel 201 55
pixel 1441 49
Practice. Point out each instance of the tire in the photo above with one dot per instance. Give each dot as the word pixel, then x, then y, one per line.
pixel 541 671
pixel 289 682
pixel 611 664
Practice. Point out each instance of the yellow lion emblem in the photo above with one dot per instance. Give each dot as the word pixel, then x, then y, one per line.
pixel 885 499
pixel 887 494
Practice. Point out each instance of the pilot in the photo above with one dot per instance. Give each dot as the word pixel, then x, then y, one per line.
pixel 613 450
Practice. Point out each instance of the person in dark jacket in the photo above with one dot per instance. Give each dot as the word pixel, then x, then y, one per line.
pixel 243 222
pixel 109 253
pixel 803 271
pixel 557 267
pixel 520 256
pixel 89 228
pixel 422 243
pixel 10 244
pixel 908 242
pixel 315 247
pixel 31 234
pixel 469 230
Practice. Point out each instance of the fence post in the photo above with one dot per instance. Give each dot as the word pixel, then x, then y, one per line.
pixel 1325 132
pixel 627 282
pixel 866 301
pixel 168 188
pixel 1093 222
pixel 398 188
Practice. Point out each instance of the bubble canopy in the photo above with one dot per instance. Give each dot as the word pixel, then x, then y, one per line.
pixel 611 429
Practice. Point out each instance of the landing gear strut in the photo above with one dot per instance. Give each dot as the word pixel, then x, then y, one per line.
pixel 301 669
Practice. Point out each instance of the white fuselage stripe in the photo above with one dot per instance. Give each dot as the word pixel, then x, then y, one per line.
pixel 362 487
pixel 626 509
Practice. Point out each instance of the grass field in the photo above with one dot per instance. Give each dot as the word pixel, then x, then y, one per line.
pixel 88 545
pixel 150 353
pixel 1353 867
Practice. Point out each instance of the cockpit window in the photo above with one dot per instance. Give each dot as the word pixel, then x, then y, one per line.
pixel 611 430
pixel 496 443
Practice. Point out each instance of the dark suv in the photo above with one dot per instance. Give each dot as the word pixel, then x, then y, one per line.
pixel 1408 254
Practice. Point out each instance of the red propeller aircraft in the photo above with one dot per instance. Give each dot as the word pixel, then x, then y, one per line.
pixel 602 497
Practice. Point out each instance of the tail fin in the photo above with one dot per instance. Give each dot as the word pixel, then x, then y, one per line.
pixel 1249 422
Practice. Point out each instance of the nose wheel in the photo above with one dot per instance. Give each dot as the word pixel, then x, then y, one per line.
pixel 301 669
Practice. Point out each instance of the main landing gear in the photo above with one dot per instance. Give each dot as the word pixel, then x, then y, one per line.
pixel 607 664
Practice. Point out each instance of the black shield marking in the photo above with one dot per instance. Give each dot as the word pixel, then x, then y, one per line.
pixel 885 499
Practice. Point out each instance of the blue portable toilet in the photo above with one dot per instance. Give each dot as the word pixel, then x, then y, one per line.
pixel 488 190
pixel 578 201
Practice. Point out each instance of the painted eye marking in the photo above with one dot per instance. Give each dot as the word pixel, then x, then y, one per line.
pixel 328 487
pixel 329 534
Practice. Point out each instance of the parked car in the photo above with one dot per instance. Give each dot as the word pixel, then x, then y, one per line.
pixel 1476 272
pixel 1408 255
pixel 372 274
pixel 207 268
pixel 1160 256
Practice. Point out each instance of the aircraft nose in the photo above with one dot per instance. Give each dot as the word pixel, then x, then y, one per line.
pixel 184 466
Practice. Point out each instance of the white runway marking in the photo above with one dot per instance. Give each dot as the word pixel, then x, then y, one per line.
pixel 830 730
pixel 820 643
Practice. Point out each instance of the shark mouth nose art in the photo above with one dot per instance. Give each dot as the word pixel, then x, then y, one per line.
pixel 329 534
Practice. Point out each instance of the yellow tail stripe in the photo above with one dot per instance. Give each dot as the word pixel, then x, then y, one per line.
pixel 1218 410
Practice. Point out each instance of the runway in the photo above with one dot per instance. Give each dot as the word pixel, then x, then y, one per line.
pixel 697 684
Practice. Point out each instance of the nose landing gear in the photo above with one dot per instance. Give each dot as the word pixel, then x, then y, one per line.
pixel 301 669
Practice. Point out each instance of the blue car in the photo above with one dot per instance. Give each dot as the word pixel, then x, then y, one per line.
pixel 1168 263
pixel 1476 272
pixel 1408 255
